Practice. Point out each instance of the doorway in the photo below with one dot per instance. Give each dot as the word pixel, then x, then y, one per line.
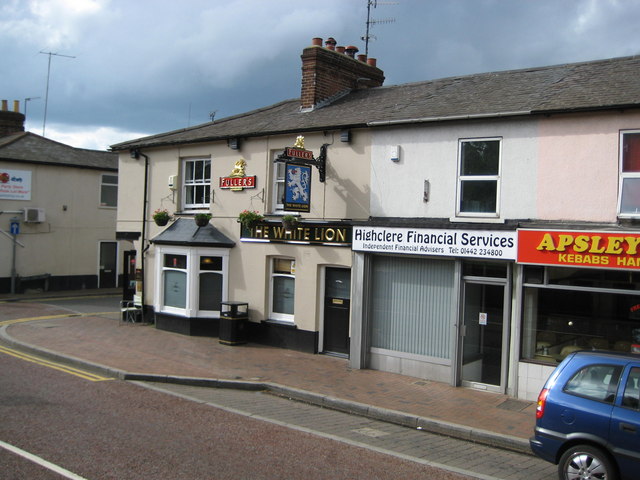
pixel 483 335
pixel 108 272
pixel 337 304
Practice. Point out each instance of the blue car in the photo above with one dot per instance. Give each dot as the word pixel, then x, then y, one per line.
pixel 588 417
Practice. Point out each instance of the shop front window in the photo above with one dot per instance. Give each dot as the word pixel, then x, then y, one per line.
pixel 569 309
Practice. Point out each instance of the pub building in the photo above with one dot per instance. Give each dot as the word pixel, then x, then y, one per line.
pixel 283 185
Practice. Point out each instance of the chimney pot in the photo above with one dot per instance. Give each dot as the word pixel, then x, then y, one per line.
pixel 351 50
pixel 11 122
pixel 317 41
pixel 327 73
pixel 331 43
pixel 371 62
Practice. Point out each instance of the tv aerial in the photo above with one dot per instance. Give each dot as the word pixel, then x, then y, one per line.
pixel 371 22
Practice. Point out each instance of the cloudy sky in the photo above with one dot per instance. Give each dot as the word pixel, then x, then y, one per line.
pixel 142 67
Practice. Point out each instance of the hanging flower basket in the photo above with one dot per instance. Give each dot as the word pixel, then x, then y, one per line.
pixel 202 219
pixel 248 218
pixel 289 222
pixel 161 217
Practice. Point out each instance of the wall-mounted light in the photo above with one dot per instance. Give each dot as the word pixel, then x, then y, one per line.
pixel 135 153
pixel 234 143
pixel 345 136
pixel 427 188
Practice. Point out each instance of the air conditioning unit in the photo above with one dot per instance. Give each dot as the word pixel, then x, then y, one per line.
pixel 34 215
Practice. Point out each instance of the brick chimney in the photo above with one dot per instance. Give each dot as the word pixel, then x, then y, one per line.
pixel 328 71
pixel 11 122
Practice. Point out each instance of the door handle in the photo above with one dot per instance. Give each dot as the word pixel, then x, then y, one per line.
pixel 627 427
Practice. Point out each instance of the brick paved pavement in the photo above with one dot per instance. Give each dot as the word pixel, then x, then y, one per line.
pixel 103 340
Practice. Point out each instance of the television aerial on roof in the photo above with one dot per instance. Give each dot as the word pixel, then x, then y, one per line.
pixel 371 22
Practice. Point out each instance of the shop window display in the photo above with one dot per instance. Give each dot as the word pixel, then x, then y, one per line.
pixel 568 309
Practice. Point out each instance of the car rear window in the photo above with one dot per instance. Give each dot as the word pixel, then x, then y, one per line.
pixel 596 382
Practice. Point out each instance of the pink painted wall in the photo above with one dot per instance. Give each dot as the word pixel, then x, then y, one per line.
pixel 578 166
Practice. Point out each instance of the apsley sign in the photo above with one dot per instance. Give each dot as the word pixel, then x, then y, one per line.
pixel 439 242
pixel 579 248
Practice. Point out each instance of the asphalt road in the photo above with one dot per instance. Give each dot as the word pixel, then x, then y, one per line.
pixel 112 429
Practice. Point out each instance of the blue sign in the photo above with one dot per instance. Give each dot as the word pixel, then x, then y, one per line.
pixel 297 188
pixel 15 228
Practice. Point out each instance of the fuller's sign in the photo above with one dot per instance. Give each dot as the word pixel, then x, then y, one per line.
pixel 238 182
pixel 579 248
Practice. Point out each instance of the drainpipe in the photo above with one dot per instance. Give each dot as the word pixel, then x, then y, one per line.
pixel 143 249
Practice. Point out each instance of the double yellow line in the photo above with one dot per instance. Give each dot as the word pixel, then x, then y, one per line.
pixel 57 366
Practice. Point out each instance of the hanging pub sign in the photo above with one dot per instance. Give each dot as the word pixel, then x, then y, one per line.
pixel 297 191
pixel 238 180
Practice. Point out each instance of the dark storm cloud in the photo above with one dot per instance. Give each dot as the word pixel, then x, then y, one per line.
pixel 148 66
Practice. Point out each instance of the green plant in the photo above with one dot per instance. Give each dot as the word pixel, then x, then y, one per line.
pixel 202 219
pixel 161 216
pixel 289 221
pixel 249 217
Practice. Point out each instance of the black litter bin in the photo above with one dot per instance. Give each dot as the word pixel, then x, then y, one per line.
pixel 233 323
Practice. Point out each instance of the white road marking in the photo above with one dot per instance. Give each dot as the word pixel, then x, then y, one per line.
pixel 41 461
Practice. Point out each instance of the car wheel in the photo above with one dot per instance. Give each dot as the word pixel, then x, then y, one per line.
pixel 584 462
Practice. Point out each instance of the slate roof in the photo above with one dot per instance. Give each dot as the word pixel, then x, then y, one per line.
pixel 184 231
pixel 585 86
pixel 32 148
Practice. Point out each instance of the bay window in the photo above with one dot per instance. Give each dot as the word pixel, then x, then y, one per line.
pixel 192 281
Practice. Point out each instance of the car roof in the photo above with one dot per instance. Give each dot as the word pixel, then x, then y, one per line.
pixel 607 354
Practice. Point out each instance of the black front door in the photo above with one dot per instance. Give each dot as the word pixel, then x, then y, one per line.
pixel 108 259
pixel 337 301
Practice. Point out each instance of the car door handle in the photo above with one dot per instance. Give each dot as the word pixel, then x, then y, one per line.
pixel 627 427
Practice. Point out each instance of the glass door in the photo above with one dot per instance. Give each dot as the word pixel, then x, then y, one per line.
pixel 483 341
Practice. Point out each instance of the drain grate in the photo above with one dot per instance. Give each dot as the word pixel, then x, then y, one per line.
pixel 514 405
pixel 370 432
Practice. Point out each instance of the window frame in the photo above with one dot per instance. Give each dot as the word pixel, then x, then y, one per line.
pixel 611 388
pixel 279 316
pixel 193 272
pixel 186 183
pixel 622 176
pixel 477 178
pixel 103 185
pixel 277 206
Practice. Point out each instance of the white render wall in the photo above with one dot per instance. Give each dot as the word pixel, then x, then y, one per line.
pixel 430 152
pixel 67 242
pixel 344 195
